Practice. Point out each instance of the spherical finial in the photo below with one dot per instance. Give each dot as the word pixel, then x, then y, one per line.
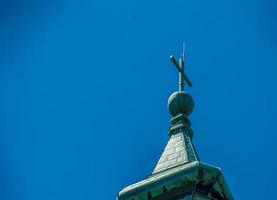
pixel 180 103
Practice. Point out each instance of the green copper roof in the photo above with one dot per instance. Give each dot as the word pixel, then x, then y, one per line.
pixel 179 170
pixel 176 152
pixel 184 177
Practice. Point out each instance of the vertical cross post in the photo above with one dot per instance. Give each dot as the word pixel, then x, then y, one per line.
pixel 180 67
pixel 181 77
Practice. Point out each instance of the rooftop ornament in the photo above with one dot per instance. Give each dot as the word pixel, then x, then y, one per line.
pixel 181 102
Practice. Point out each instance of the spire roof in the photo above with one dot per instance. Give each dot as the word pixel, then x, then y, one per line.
pixel 179 150
pixel 174 153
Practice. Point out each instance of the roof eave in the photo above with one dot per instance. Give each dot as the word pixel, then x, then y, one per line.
pixel 175 177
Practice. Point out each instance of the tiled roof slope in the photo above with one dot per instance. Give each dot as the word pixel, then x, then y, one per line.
pixel 179 150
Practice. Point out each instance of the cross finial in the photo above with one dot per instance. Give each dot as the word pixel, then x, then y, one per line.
pixel 180 67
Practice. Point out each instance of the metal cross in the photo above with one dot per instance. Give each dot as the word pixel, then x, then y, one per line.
pixel 180 67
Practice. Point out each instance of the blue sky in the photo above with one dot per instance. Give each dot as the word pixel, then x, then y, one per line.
pixel 84 87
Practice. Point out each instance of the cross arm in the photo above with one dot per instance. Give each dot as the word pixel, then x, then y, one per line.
pixel 172 58
pixel 187 80
pixel 180 69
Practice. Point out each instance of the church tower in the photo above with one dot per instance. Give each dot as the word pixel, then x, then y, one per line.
pixel 179 174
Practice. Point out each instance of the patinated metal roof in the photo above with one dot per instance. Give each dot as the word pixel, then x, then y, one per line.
pixel 202 178
pixel 175 153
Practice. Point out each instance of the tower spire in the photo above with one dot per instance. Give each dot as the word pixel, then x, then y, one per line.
pixel 179 174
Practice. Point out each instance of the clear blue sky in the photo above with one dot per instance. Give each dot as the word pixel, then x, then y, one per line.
pixel 84 87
